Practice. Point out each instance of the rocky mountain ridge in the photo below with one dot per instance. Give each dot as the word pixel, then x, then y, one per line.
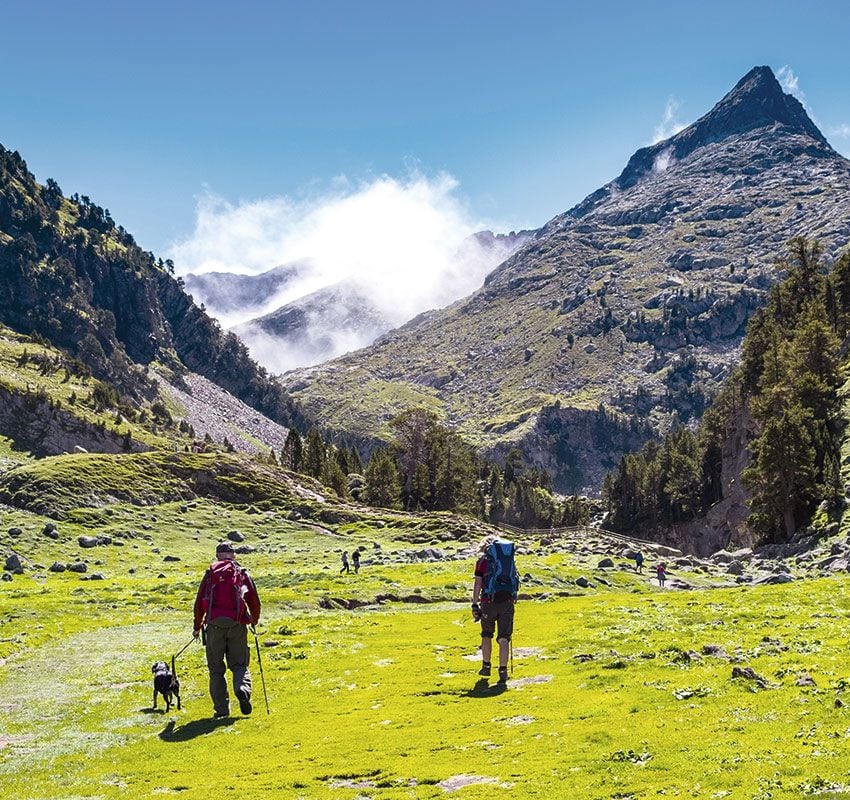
pixel 629 308
pixel 227 291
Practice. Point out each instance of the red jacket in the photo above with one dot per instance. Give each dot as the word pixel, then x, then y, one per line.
pixel 238 601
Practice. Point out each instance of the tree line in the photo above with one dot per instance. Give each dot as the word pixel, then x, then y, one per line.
pixel 428 467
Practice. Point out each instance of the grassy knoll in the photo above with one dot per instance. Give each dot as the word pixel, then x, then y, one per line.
pixel 607 699
pixel 34 367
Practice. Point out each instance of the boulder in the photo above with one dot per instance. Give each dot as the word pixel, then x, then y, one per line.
pixel 88 541
pixel 735 568
pixel 171 558
pixel 583 582
pixel 14 564
pixel 782 577
pixel 49 529
pixel 722 557
pixel 749 674
pixel 78 566
pixel 7 576
pixel 605 562
pixel 244 548
pixel 15 532
pixel 236 536
pixel 57 566
pixel 429 554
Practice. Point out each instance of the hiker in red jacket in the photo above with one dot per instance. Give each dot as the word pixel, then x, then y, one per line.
pixel 226 604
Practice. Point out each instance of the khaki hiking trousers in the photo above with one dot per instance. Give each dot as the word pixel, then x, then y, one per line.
pixel 227 639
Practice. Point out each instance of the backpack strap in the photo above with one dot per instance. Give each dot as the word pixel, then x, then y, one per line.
pixel 208 578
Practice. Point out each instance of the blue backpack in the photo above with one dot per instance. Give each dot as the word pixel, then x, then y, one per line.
pixel 501 581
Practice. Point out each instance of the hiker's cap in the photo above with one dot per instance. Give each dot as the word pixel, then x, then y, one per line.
pixel 224 547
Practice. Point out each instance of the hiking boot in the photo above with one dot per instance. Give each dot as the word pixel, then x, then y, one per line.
pixel 503 674
pixel 485 669
pixel 244 702
pixel 221 714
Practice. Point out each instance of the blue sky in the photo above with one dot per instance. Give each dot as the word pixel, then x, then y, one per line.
pixel 529 106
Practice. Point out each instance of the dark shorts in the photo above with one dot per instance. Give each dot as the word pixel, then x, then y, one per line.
pixel 497 614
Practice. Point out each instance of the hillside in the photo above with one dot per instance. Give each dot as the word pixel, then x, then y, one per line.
pixel 628 308
pixel 74 278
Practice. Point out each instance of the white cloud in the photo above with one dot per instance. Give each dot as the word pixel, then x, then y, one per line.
pixel 663 161
pixel 790 83
pixel 840 131
pixel 669 125
pixel 397 241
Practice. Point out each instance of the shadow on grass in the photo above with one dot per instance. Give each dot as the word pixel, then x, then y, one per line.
pixel 481 690
pixel 198 727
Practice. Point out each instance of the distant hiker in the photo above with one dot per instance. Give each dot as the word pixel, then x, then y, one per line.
pixel 355 558
pixel 226 604
pixel 661 573
pixel 638 562
pixel 345 567
pixel 494 594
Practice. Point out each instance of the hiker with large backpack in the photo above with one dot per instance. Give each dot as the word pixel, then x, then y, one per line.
pixel 494 594
pixel 226 604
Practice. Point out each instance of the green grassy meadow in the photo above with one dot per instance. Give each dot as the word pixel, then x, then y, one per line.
pixel 611 695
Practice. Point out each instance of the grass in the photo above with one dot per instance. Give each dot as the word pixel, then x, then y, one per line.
pixel 29 367
pixel 383 701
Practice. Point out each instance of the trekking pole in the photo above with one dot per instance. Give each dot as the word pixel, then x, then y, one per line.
pixel 260 664
pixel 512 657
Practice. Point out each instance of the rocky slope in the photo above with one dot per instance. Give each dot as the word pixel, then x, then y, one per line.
pixel 227 292
pixel 628 308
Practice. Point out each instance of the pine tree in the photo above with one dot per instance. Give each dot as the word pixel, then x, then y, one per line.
pixel 292 456
pixel 314 453
pixel 782 476
pixel 334 478
pixel 497 496
pixel 382 482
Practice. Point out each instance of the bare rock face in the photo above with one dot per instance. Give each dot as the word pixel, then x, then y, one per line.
pixel 626 311
pixel 44 430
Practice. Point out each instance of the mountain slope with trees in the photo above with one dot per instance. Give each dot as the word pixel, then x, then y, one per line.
pixel 766 460
pixel 70 274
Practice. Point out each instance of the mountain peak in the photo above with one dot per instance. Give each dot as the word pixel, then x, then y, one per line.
pixel 756 101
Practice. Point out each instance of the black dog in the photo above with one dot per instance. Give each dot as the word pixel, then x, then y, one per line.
pixel 165 683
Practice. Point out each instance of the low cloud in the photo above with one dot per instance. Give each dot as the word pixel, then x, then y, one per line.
pixel 670 125
pixel 790 83
pixel 403 243
pixel 663 161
